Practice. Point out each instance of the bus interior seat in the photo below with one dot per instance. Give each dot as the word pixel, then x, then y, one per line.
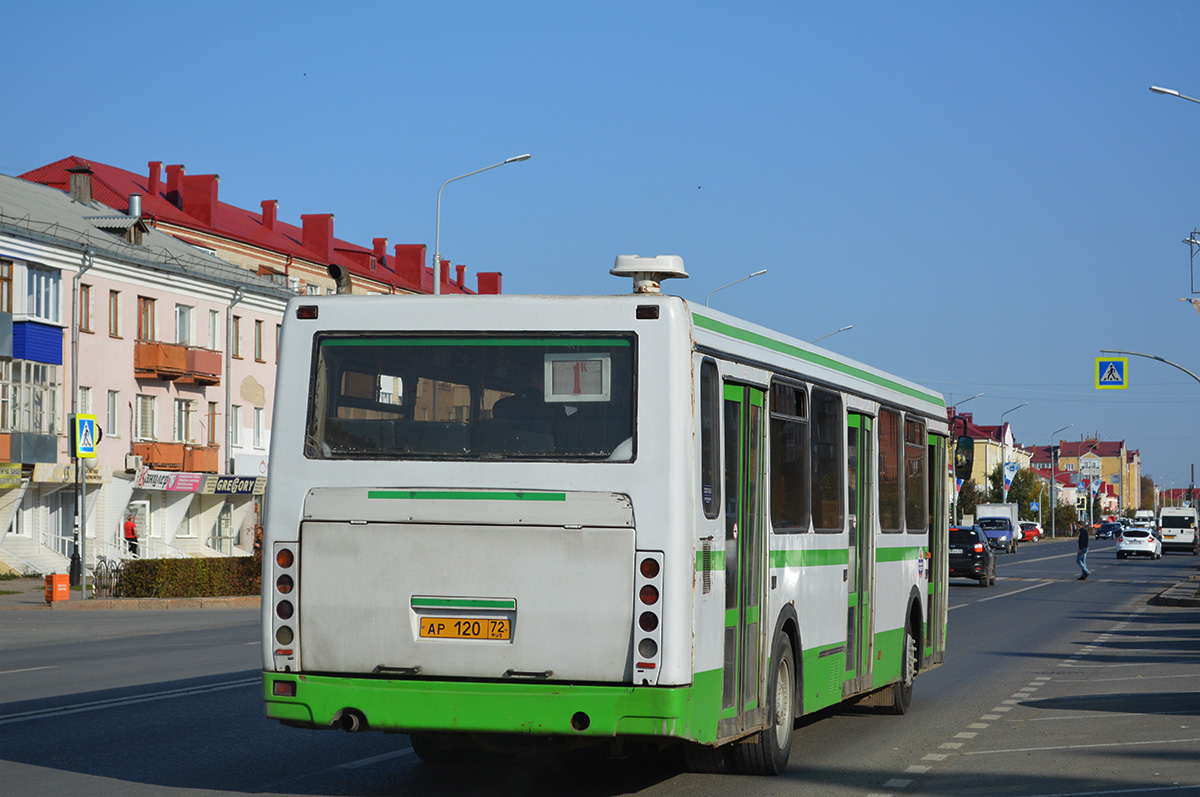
pixel 359 434
pixel 503 436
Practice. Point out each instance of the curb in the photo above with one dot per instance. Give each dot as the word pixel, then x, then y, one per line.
pixel 1185 593
pixel 155 604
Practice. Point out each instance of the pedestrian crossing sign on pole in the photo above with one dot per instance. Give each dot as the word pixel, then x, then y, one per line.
pixel 1110 373
pixel 85 436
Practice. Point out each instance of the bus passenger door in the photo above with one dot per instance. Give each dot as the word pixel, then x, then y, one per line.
pixel 861 550
pixel 741 701
pixel 938 564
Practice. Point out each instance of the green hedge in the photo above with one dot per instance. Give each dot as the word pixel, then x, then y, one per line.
pixel 192 578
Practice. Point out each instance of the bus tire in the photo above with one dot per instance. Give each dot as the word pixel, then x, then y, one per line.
pixel 767 752
pixel 436 748
pixel 708 760
pixel 902 689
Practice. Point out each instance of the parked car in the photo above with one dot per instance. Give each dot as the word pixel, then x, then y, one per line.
pixel 1138 542
pixel 971 555
pixel 1000 533
pixel 1108 531
pixel 1030 531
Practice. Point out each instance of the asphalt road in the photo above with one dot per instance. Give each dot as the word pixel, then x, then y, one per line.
pixel 1051 687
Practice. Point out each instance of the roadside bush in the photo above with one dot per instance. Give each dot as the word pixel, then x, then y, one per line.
pixel 192 578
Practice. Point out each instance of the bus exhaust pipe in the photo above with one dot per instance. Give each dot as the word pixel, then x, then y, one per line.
pixel 341 277
pixel 352 721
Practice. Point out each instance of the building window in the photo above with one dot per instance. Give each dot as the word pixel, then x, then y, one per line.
pixel 144 422
pixel 313 290
pixel 258 341
pixel 183 325
pixel 214 330
pixel 259 416
pixel 181 427
pixel 6 270
pixel 212 423
pixel 114 317
pixel 7 421
pixel 42 294
pixel 145 319
pixel 85 308
pixel 85 400
pixel 235 337
pixel 235 425
pixel 35 391
pixel 113 419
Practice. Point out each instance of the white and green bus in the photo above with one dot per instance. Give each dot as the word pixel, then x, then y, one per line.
pixel 615 518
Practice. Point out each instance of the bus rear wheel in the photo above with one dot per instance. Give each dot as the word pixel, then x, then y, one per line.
pixel 902 689
pixel 767 752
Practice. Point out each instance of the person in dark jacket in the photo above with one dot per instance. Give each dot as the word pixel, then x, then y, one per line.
pixel 1081 557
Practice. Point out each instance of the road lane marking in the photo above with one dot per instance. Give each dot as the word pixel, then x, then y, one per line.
pixel 1015 592
pixel 1079 746
pixel 28 669
pixel 375 759
pixel 117 702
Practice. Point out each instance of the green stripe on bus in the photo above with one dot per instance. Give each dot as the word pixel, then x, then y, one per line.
pixel 898 554
pixel 812 357
pixel 464 603
pixel 450 495
pixel 810 558
pixel 716 561
pixel 475 342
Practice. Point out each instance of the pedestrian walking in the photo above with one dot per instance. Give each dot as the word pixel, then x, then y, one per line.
pixel 1081 557
pixel 131 540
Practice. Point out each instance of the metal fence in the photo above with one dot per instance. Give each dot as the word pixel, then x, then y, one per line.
pixel 107 578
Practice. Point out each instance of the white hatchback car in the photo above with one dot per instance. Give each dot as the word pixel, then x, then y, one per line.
pixel 1138 542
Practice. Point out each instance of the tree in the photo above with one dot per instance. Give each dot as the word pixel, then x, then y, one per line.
pixel 1147 493
pixel 1026 488
pixel 968 497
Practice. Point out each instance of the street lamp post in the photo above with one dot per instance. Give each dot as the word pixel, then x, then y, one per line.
pixel 1004 449
pixel 831 334
pixel 1054 477
pixel 1173 93
pixel 437 234
pixel 758 273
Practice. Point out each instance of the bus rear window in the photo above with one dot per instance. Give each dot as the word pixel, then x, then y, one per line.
pixel 474 398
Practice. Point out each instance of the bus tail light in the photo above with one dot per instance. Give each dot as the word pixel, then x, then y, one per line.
pixel 647 616
pixel 285 601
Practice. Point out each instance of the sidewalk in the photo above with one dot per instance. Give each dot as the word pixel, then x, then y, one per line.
pixel 30 593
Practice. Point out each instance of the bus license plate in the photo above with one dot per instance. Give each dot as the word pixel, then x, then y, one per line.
pixel 465 628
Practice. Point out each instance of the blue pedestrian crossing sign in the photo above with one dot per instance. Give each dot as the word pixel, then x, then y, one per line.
pixel 1110 373
pixel 85 435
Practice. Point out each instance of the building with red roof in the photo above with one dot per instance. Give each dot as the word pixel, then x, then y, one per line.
pixel 300 258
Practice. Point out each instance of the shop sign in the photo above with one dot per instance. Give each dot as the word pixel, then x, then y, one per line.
pixel 65 474
pixel 234 485
pixel 168 480
pixel 10 475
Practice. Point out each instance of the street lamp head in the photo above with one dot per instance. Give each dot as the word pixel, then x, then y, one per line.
pixel 516 158
pixel 1160 90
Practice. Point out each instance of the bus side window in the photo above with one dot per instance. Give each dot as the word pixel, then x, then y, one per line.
pixel 710 428
pixel 790 451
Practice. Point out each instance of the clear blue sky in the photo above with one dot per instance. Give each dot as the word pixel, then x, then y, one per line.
pixel 988 192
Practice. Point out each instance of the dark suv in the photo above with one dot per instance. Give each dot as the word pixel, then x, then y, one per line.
pixel 971 555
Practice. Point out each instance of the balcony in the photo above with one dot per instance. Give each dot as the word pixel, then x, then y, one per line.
pixel 202 367
pixel 155 360
pixel 179 456
pixel 201 459
pixel 160 456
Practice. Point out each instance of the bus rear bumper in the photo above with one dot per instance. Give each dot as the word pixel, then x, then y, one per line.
pixel 542 709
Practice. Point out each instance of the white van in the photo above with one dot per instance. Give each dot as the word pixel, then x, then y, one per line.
pixel 1178 527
